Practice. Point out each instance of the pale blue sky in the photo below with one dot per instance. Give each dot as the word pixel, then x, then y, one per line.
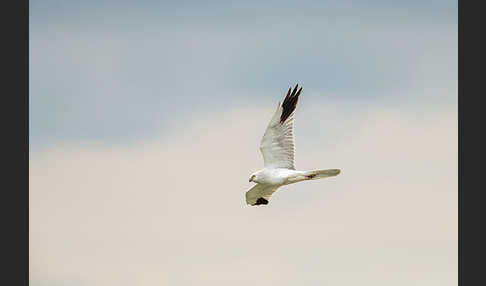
pixel 120 71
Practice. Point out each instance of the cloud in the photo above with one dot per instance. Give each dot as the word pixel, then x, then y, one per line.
pixel 172 211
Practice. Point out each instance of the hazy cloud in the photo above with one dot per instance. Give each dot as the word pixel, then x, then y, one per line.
pixel 173 212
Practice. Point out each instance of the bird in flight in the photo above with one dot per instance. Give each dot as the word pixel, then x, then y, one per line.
pixel 277 147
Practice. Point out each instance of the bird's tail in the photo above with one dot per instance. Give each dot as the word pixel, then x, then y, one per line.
pixel 320 174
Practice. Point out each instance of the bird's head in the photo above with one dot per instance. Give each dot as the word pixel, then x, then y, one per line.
pixel 256 177
pixel 253 177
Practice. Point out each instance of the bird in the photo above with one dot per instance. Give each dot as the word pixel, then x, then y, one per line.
pixel 278 149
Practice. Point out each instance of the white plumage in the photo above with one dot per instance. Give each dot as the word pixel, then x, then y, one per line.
pixel 277 147
pixel 277 144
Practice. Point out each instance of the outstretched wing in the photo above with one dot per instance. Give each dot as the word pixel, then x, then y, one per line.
pixel 277 144
pixel 260 194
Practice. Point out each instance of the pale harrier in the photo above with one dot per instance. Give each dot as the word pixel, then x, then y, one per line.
pixel 277 147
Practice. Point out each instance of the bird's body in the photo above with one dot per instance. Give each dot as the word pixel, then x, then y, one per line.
pixel 277 147
pixel 275 176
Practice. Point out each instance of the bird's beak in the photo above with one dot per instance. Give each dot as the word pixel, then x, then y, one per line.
pixel 251 179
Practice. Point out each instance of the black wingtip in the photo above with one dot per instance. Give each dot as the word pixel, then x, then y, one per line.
pixel 290 102
pixel 261 201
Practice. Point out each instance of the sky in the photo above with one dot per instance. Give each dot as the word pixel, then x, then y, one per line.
pixel 145 122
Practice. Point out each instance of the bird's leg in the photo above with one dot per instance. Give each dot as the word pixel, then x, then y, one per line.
pixel 309 177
